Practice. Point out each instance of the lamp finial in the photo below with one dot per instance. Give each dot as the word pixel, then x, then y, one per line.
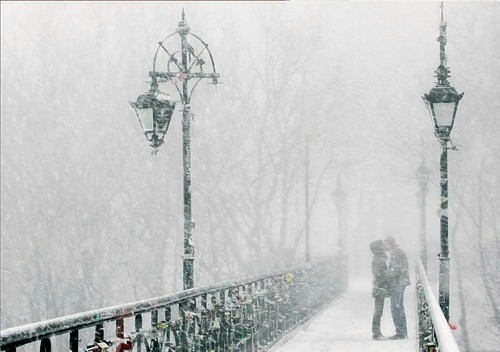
pixel 183 28
pixel 442 71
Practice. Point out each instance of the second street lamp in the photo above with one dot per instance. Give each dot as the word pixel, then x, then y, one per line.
pixel 339 197
pixel 442 102
pixel 154 109
pixel 423 174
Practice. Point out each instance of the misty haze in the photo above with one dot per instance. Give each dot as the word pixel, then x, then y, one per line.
pixel 312 96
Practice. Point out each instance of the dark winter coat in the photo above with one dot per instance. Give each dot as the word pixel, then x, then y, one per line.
pixel 379 270
pixel 399 274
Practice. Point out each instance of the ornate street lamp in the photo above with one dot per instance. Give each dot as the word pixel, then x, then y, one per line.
pixel 339 197
pixel 442 102
pixel 423 174
pixel 175 68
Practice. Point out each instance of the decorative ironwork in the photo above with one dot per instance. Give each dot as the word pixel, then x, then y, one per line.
pixel 248 315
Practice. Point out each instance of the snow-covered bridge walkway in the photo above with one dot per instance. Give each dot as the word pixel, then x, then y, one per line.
pixel 345 325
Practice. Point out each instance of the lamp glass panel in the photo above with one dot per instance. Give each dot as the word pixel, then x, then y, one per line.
pixel 443 113
pixel 146 119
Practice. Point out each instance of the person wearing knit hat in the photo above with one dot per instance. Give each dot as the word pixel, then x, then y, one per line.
pixel 399 278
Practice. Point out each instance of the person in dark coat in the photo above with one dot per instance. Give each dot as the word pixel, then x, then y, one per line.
pixel 380 286
pixel 399 278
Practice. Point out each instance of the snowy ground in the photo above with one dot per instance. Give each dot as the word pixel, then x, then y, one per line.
pixel 345 325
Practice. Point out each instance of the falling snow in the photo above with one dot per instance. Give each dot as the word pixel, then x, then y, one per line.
pixel 309 93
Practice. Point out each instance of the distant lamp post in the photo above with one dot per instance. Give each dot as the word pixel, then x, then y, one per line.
pixel 442 102
pixel 339 197
pixel 423 174
pixel 307 206
pixel 154 109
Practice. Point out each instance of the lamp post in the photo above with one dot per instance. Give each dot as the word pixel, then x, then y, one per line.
pixel 154 109
pixel 423 174
pixel 339 197
pixel 442 102
pixel 307 206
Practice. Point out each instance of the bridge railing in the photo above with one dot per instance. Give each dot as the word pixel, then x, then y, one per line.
pixel 434 333
pixel 247 315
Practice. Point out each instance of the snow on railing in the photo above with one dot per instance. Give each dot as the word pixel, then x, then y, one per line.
pixel 242 315
pixel 434 331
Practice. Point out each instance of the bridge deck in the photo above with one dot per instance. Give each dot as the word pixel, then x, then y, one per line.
pixel 345 325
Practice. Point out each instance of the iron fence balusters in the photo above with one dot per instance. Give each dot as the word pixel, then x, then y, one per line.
pixel 73 341
pixel 99 332
pixel 203 322
pixel 154 318
pixel 45 345
pixel 138 327
pixel 249 315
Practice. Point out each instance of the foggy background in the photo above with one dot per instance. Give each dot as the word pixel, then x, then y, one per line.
pixel 89 218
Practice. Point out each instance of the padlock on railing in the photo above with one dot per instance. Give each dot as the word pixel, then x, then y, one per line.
pixel 98 346
pixel 431 347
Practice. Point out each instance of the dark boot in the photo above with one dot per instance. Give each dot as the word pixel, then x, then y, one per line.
pixel 398 337
pixel 379 337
